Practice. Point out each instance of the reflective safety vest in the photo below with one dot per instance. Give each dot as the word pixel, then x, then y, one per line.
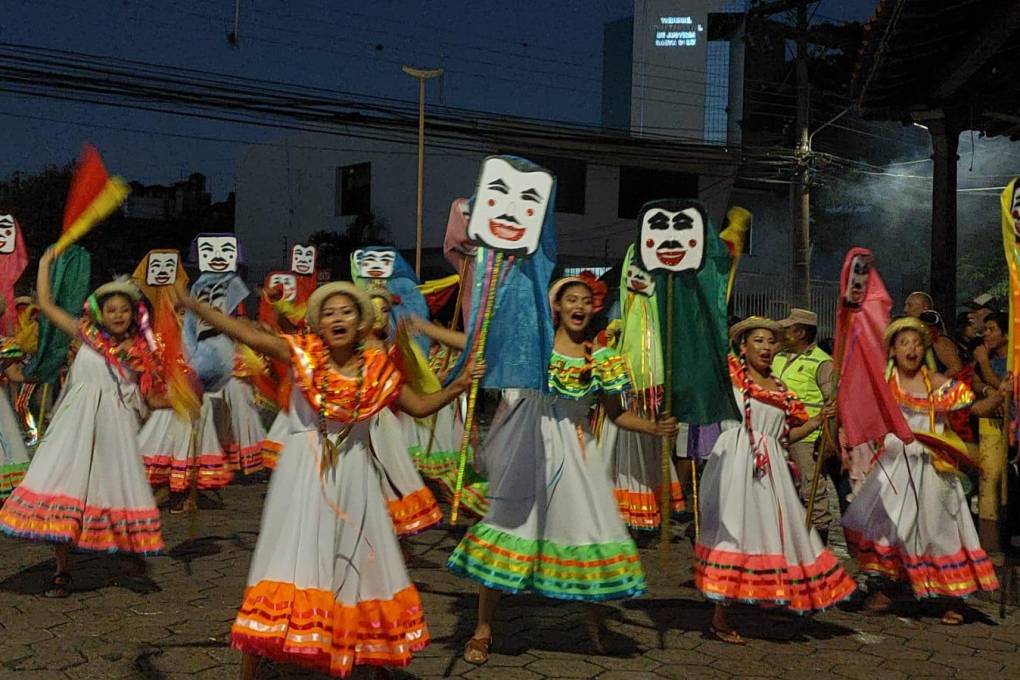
pixel 799 372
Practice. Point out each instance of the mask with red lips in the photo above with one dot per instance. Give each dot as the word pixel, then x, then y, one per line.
pixel 216 253
pixel 161 269
pixel 8 234
pixel 672 235
pixel 639 281
pixel 374 264
pixel 510 206
pixel 857 285
pixel 286 284
pixel 1014 211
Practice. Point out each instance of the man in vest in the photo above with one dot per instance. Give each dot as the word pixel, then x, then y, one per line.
pixel 806 371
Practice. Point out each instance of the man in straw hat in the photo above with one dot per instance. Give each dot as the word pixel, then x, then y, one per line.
pixel 807 371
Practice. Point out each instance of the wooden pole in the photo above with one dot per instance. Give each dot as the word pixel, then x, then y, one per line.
pixel 422 76
pixel 665 497
pixel 44 399
pixel 483 335
pixel 446 358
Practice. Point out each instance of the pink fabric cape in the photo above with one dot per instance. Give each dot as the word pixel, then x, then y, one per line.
pixel 454 244
pixel 867 408
pixel 11 267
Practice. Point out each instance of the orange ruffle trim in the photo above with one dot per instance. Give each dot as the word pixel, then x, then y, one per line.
pixel 415 512
pixel 956 575
pixel 64 519
pixel 324 387
pixel 271 453
pixel 640 510
pixel 769 580
pixel 308 627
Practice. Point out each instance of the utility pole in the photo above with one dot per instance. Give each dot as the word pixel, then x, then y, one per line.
pixel 800 190
pixel 422 75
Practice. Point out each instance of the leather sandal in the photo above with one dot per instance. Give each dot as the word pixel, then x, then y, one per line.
pixel 952 618
pixel 730 637
pixel 58 585
pixel 476 651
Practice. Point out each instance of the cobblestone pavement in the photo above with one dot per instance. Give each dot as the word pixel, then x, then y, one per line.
pixel 168 618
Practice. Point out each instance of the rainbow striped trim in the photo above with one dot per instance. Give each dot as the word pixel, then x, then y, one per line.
pixel 10 477
pixel 595 572
pixel 608 374
pixel 64 519
pixel 640 509
pixel 957 575
pixel 726 576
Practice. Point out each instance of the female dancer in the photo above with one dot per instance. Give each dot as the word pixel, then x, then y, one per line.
pixel 327 587
pixel 910 520
pixel 86 486
pixel 553 526
pixel 753 545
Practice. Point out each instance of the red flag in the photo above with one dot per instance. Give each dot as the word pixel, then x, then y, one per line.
pixel 867 408
pixel 94 195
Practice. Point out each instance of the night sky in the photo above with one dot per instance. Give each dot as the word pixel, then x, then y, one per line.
pixel 530 58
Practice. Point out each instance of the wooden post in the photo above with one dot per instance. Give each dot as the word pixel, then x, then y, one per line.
pixel 945 134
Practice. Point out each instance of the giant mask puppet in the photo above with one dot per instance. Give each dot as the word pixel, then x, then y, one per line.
pixel 285 284
pixel 460 252
pixel 13 260
pixel 216 253
pixel 510 205
pixel 374 264
pixel 302 259
pixel 672 236
pixel 856 285
pixel 161 268
pixel 689 264
pixel 638 280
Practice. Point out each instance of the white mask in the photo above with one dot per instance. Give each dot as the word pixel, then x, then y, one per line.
pixel 288 282
pixel 302 259
pixel 374 264
pixel 857 283
pixel 672 240
pixel 8 234
pixel 639 281
pixel 162 269
pixel 510 206
pixel 217 254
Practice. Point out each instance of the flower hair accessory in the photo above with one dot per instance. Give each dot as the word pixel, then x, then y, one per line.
pixel 598 290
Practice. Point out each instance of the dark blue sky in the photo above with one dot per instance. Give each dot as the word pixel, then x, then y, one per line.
pixel 531 58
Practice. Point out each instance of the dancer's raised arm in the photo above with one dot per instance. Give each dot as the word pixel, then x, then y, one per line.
pixel 57 316
pixel 239 329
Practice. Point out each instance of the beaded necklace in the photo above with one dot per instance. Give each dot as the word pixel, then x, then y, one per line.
pixel 330 447
pixel 761 460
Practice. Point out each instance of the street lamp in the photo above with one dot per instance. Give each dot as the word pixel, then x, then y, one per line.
pixel 422 75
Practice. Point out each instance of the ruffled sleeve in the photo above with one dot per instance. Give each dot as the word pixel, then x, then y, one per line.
pixel 611 371
pixel 338 394
pixel 953 396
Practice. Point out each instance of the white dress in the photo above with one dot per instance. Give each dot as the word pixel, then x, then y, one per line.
pixel 754 546
pixel 635 467
pixel 412 506
pixel 912 523
pixel 13 454
pixel 272 445
pixel 327 588
pixel 553 526
pixel 244 452
pixel 86 484
pixel 165 437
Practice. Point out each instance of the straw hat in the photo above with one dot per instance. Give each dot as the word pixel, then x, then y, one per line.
pixel 120 286
pixel 328 290
pixel 907 323
pixel 751 323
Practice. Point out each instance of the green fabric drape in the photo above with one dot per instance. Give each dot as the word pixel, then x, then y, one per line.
pixel 69 281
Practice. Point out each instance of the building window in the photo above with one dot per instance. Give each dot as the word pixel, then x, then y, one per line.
pixel 354 189
pixel 640 185
pixel 717 94
pixel 571 180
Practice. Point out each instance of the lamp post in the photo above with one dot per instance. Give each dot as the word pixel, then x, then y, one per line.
pixel 422 75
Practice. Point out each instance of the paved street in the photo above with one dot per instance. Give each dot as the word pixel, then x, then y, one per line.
pixel 168 618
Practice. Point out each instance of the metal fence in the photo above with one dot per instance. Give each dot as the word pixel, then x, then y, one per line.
pixel 770 296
